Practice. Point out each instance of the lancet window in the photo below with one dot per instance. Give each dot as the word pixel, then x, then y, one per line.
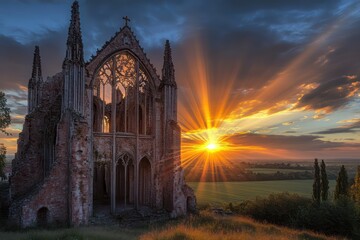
pixel 122 100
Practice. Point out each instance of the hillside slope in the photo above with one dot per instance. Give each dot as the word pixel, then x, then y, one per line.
pixel 205 226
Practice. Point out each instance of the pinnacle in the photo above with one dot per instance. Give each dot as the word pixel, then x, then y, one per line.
pixel 36 70
pixel 167 54
pixel 168 72
pixel 74 41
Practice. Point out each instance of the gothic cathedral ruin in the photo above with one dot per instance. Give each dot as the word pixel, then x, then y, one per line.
pixel 99 132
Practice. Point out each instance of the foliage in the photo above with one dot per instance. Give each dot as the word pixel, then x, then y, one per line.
pixel 342 184
pixel 316 184
pixel 4 123
pixel 335 218
pixel 355 188
pixel 2 159
pixel 4 113
pixel 279 208
pixel 324 184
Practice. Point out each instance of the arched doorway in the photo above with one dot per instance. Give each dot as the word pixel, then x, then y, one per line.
pixel 42 217
pixel 125 181
pixel 101 183
pixel 144 182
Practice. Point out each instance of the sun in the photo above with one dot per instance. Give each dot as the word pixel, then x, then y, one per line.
pixel 211 147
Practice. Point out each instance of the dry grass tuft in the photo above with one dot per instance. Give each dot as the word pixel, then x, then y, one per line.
pixel 208 226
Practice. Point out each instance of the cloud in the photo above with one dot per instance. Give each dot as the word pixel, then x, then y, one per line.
pixel 290 131
pixel 295 143
pixel 353 127
pixel 288 123
pixel 330 96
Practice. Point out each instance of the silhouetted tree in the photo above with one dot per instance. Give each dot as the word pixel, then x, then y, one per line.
pixel 342 184
pixel 4 123
pixel 4 113
pixel 2 159
pixel 355 188
pixel 316 184
pixel 324 182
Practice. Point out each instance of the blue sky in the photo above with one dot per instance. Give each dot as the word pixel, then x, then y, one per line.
pixel 293 66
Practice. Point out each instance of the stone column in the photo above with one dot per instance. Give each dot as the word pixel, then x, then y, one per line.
pixel 113 131
pixel 137 137
pixel 91 178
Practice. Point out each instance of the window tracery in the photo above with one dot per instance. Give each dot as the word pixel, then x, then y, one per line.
pixel 117 93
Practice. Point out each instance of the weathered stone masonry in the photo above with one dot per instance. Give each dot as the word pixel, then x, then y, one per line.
pixel 99 133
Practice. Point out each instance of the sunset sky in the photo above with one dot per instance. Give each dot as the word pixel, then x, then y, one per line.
pixel 262 79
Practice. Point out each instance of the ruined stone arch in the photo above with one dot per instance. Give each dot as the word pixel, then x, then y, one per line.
pixel 42 217
pixel 147 156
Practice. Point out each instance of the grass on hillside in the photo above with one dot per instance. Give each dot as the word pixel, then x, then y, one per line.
pixel 208 226
pixel 205 226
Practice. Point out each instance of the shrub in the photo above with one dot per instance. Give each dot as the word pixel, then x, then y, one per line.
pixel 335 218
pixel 276 208
pixel 339 218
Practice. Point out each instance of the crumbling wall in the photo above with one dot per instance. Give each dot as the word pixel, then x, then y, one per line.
pixel 64 192
pixel 65 205
pixel 80 169
pixel 179 198
pixel 51 193
pixel 28 165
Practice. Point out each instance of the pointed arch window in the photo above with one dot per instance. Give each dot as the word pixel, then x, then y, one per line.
pixel 118 97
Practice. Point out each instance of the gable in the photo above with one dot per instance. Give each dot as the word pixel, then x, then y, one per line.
pixel 123 40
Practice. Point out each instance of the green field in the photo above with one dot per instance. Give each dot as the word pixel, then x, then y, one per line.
pixel 225 192
pixel 275 170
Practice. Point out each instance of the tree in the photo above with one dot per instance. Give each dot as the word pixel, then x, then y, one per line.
pixel 342 184
pixel 316 184
pixel 355 188
pixel 2 159
pixel 4 123
pixel 324 182
pixel 4 113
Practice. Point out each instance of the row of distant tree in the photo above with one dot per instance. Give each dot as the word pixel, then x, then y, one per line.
pixel 333 215
pixel 343 188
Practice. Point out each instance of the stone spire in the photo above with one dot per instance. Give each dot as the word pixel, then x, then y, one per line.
pixel 74 66
pixel 34 86
pixel 168 86
pixel 75 52
pixel 36 70
pixel 168 71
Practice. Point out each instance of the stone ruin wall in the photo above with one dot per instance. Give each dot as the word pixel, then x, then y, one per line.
pixel 28 165
pixel 31 188
pixel 51 193
pixel 80 173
